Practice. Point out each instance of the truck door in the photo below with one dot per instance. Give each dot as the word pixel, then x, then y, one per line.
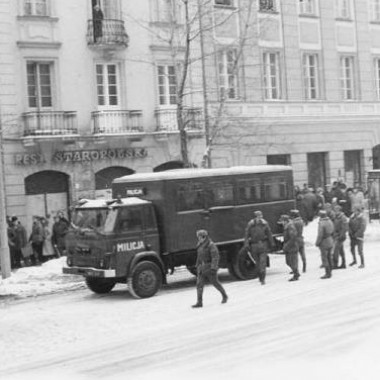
pixel 129 236
pixel 220 205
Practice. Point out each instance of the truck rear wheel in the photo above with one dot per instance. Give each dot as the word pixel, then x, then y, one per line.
pixel 99 285
pixel 243 266
pixel 145 280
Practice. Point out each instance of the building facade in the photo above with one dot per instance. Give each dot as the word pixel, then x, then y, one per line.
pixel 90 93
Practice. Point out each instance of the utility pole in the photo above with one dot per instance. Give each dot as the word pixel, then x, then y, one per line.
pixel 4 248
pixel 207 157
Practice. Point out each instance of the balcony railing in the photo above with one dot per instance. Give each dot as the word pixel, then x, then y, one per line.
pixel 106 33
pixel 166 120
pixel 117 122
pixel 50 123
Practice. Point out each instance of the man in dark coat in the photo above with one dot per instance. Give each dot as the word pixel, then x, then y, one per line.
pixel 258 238
pixel 356 229
pixel 21 238
pixel 60 228
pixel 340 232
pixel 37 239
pixel 325 241
pixel 207 265
pixel 299 225
pixel 290 246
pixel 310 203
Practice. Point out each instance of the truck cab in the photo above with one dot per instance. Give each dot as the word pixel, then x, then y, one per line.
pixel 116 241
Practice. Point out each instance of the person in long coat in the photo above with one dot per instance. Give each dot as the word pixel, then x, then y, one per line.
pixel 60 229
pixel 299 224
pixel 290 246
pixel 356 229
pixel 258 238
pixel 340 232
pixel 207 265
pixel 21 238
pixel 325 242
pixel 37 239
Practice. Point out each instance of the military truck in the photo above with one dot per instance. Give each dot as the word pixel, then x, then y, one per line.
pixel 149 227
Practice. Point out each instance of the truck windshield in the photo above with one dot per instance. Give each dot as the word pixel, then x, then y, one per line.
pixel 90 218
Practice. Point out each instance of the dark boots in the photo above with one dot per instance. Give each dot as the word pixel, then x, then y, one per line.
pixel 199 299
pixel 327 274
pixel 296 276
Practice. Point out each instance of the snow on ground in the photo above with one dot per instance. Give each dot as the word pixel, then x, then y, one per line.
pixel 48 278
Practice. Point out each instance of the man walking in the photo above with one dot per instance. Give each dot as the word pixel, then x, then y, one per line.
pixel 299 225
pixel 340 232
pixel 290 246
pixel 258 238
pixel 207 265
pixel 325 242
pixel 356 229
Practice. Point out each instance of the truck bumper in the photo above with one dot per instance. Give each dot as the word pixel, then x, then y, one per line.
pixel 90 272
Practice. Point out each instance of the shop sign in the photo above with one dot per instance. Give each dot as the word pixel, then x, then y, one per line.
pixel 97 155
pixel 82 155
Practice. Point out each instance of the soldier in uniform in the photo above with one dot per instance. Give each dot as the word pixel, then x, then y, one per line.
pixel 290 247
pixel 299 224
pixel 325 241
pixel 259 240
pixel 340 232
pixel 207 265
pixel 356 229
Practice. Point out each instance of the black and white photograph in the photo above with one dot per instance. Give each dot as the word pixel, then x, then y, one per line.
pixel 189 189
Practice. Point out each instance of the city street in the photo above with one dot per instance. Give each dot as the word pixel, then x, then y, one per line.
pixel 310 329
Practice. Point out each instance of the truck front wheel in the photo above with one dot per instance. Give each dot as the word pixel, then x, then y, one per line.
pixel 243 266
pixel 145 280
pixel 99 285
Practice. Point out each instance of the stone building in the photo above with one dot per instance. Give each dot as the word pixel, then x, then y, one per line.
pixel 87 96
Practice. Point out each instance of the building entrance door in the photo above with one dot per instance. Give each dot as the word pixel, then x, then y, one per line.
pixel 316 166
pixel 46 194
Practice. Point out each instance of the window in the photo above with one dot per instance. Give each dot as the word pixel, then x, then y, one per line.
pixel 375 11
pixel 272 82
pixel 267 5
pixel 310 73
pixel 227 67
pixel 221 194
pixel 35 8
pixel 377 76
pixel 167 85
pixel 130 219
pixel 107 85
pixel 167 11
pixel 343 9
pixel 347 78
pixel 275 189
pixel 39 84
pixel 307 7
pixel 279 159
pixel 249 191
pixel 227 3
pixel 190 196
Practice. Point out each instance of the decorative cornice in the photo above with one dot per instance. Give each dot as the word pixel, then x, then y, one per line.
pixel 38 18
pixel 38 45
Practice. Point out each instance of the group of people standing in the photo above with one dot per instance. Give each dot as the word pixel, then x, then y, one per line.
pixel 340 211
pixel 44 242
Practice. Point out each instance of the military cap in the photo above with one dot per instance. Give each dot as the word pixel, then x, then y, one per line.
pixel 322 213
pixel 258 214
pixel 294 213
pixel 284 218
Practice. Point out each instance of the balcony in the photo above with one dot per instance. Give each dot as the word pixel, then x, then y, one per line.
pixel 106 34
pixel 166 120
pixel 117 122
pixel 50 123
